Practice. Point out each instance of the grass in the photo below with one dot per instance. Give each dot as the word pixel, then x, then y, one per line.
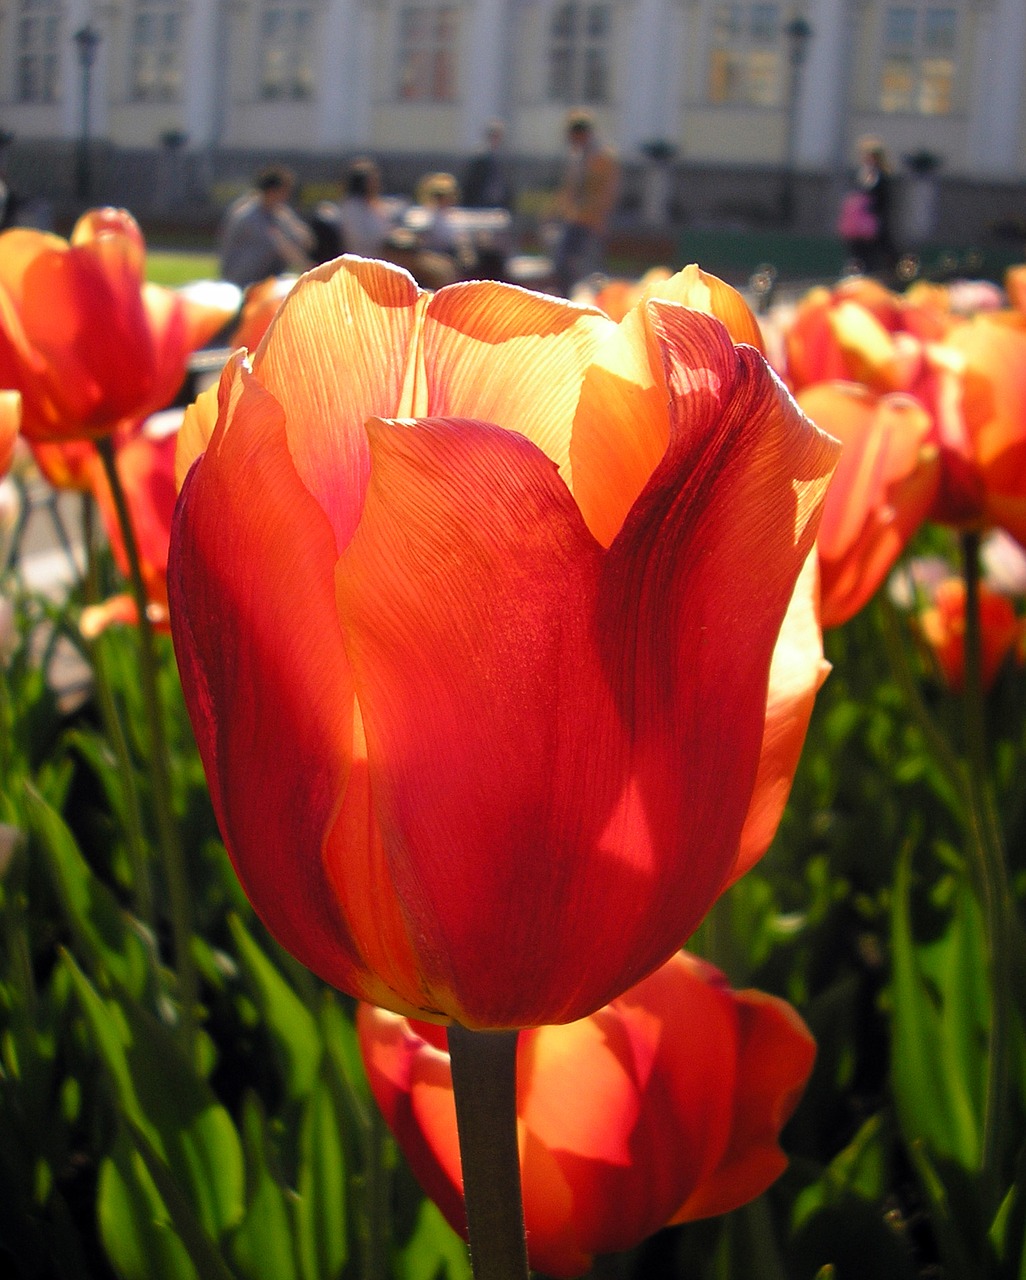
pixel 169 268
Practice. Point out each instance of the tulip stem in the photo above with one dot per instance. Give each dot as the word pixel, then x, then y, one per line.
pixel 991 872
pixel 159 762
pixel 484 1083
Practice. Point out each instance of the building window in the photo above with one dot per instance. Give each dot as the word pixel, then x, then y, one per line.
pixel 918 65
pixel 746 56
pixel 286 51
pixel 38 44
pixel 579 35
pixel 427 53
pixel 156 60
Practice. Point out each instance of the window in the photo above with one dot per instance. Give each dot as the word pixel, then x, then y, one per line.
pixel 579 36
pixel 156 30
pixel 427 53
pixel 286 51
pixel 38 43
pixel 918 66
pixel 746 57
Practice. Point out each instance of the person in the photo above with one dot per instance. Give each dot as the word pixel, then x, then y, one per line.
pixel 584 202
pixel 262 235
pixel 360 220
pixel 866 223
pixel 487 184
pixel 438 194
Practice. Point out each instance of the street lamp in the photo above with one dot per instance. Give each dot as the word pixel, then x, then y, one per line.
pixel 87 40
pixel 798 33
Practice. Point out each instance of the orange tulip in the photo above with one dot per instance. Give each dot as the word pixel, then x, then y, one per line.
pixel 943 625
pixel 980 412
pixel 884 487
pixel 861 332
pixel 146 467
pixel 663 1107
pixel 493 584
pixel 10 420
pixel 259 307
pixel 90 345
pixel 1015 286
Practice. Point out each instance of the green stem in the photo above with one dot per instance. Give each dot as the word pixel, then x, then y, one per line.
pixel 378 1199
pixel 991 872
pixel 115 730
pixel 484 1083
pixel 159 762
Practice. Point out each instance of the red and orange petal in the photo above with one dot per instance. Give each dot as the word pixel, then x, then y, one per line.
pixel 259 308
pixel 10 422
pixel 884 487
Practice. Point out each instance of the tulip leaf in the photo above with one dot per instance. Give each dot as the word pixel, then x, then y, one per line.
pixel 262 1246
pixel 290 1024
pixel 134 1222
pixel 99 925
pixel 168 1104
pixel 434 1251
pixel 320 1207
pixel 934 1097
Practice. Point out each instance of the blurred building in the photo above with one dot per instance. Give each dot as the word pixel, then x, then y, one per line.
pixel 725 83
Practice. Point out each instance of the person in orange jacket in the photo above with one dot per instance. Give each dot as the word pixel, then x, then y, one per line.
pixel 584 202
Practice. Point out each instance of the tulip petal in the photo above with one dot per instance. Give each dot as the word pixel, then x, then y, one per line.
pixel 488 607
pixel 775 1056
pixel 499 354
pixel 10 421
pixel 342 325
pixel 797 671
pixel 251 541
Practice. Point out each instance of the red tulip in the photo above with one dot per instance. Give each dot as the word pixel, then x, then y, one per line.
pixel 91 346
pixel 885 486
pixel 474 597
pixel 146 467
pixel 663 1107
pixel 943 625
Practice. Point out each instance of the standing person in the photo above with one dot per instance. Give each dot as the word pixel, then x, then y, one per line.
pixel 867 214
pixel 363 219
pixel 488 184
pixel 262 235
pixel 584 202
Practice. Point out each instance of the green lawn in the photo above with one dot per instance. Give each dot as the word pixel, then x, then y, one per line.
pixel 171 268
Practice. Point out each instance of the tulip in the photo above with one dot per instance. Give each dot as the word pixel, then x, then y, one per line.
pixel 259 307
pixel 980 412
pixel 474 597
pixel 146 467
pixel 10 420
pixel 663 1107
pixel 943 625
pixel 884 487
pixel 90 345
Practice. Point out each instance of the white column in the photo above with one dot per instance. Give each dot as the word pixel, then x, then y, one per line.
pixel 204 55
pixel 484 68
pixel 822 104
pixel 996 103
pixel 645 71
pixel 337 59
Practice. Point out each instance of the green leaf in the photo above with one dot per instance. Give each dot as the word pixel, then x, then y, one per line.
pixel 169 1105
pixel 933 1087
pixel 101 928
pixel 290 1024
pixel 434 1251
pixel 135 1225
pixel 321 1185
pixel 263 1247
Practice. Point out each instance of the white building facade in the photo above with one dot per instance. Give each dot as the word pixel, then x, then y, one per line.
pixel 722 81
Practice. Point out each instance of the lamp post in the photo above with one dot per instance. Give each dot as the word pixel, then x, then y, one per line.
pixel 798 33
pixel 87 40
